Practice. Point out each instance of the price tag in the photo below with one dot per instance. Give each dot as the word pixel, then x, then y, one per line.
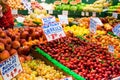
pixel 115 15
pixel 48 20
pixel 94 14
pixel 10 67
pixel 117 78
pixel 50 11
pixel 64 12
pixel 87 0
pixel 63 19
pixel 87 13
pixel 111 48
pixel 27 5
pixel 53 31
pixel 83 13
pixel 116 30
pixel 93 25
pixel 14 11
pixel 68 78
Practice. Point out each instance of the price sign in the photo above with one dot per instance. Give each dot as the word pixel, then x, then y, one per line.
pixel 117 78
pixel 27 5
pixel 50 11
pixel 10 67
pixel 48 20
pixel 93 25
pixel 53 31
pixel 94 14
pixel 14 11
pixel 63 19
pixel 115 15
pixel 87 13
pixel 116 30
pixel 64 12
pixel 111 48
pixel 68 78
pixel 82 13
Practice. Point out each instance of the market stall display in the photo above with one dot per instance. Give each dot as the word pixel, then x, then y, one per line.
pixel 88 49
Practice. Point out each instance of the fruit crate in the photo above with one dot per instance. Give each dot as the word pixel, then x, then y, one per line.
pixel 38 53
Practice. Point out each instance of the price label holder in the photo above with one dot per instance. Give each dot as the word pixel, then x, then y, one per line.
pixel 111 48
pixel 115 15
pixel 50 11
pixel 117 78
pixel 14 12
pixel 53 31
pixel 116 30
pixel 83 13
pixel 87 13
pixel 63 19
pixel 68 78
pixel 48 20
pixel 93 24
pixel 94 14
pixel 64 12
pixel 10 68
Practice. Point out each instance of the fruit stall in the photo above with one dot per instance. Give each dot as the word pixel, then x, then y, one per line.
pixel 61 40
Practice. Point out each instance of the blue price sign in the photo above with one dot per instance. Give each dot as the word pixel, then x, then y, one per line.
pixel 116 30
pixel 53 31
pixel 48 20
pixel 10 67
pixel 93 25
pixel 111 48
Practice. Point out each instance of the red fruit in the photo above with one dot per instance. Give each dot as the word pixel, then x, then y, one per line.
pixel 2 46
pixel 24 35
pixel 13 51
pixel 22 59
pixel 4 55
pixel 15 44
pixel 8 47
pixel 28 58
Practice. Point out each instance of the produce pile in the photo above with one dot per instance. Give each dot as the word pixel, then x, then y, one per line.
pixel 104 41
pixel 97 6
pixel 115 8
pixel 16 4
pixel 38 70
pixel 87 59
pixel 19 40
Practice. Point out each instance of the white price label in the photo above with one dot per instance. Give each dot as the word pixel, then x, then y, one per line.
pixel 115 15
pixel 53 31
pixel 83 13
pixel 50 11
pixel 14 11
pixel 10 67
pixel 94 14
pixel 117 78
pixel 64 12
pixel 116 30
pixel 63 19
pixel 87 13
pixel 93 25
pixel 111 48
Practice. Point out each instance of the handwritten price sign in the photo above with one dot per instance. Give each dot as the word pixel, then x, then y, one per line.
pixel 10 67
pixel 53 31
pixel 116 30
